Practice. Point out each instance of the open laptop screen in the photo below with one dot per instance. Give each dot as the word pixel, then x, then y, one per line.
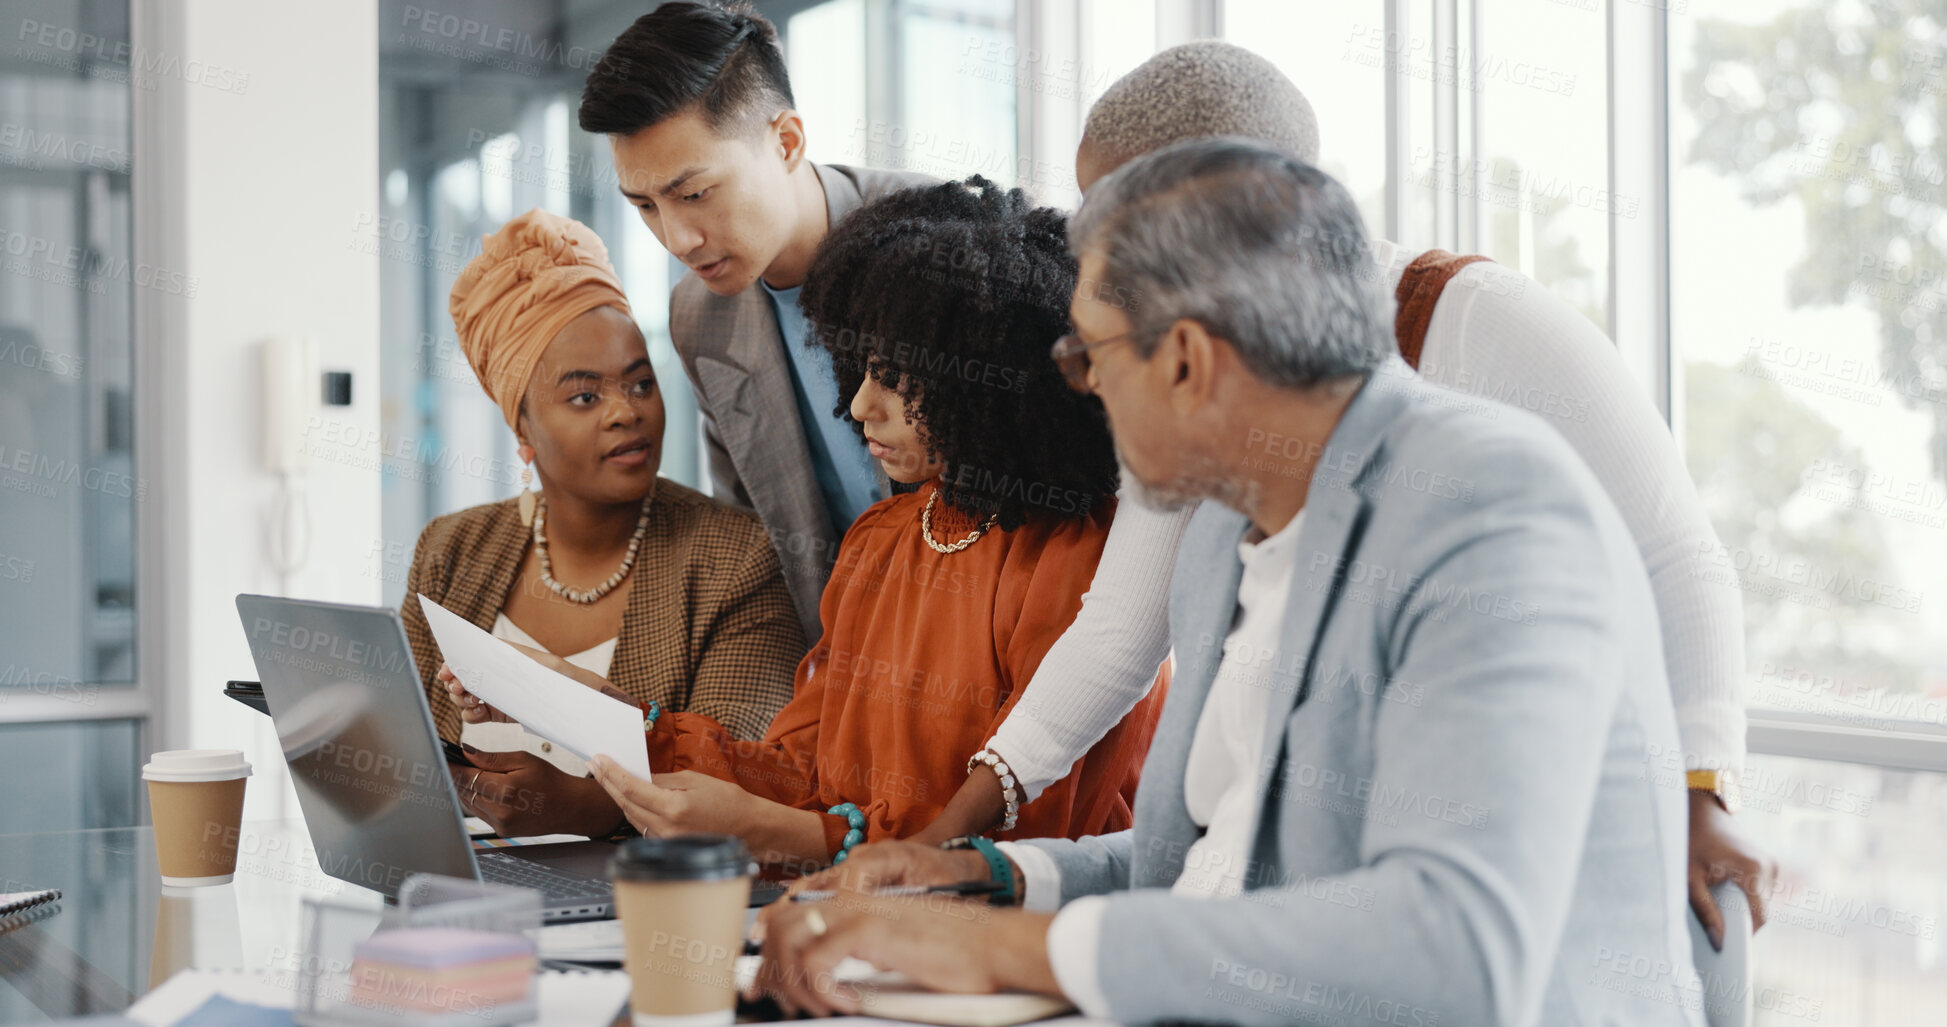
pixel 352 719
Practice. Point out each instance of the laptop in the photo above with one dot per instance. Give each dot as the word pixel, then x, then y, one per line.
pixel 369 768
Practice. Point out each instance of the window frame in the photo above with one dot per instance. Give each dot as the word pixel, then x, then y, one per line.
pixel 158 519
pixel 1637 79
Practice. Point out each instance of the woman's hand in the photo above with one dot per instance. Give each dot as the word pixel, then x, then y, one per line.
pixel 686 802
pixel 683 802
pixel 882 865
pixel 520 794
pixel 942 943
pixel 890 864
pixel 472 709
pixel 1720 852
pixel 977 808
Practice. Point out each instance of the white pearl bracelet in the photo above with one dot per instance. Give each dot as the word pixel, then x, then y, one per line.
pixel 1010 794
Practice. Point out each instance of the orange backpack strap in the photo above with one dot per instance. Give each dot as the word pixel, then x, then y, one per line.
pixel 1419 291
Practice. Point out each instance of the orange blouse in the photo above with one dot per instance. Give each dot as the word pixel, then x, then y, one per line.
pixel 923 654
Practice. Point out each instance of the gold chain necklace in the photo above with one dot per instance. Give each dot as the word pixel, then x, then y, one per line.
pixel 585 596
pixel 926 528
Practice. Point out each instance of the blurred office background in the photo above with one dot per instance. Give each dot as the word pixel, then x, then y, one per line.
pixel 1746 194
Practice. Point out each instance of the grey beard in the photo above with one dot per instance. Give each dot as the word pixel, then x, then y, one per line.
pixel 1204 480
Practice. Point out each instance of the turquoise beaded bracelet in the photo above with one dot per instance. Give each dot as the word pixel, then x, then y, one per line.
pixel 856 818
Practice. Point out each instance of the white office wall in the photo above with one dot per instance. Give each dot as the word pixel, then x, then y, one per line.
pixel 267 194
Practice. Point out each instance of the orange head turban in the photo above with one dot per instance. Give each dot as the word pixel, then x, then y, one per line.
pixel 531 278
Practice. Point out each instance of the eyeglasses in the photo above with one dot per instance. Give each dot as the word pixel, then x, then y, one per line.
pixel 1071 355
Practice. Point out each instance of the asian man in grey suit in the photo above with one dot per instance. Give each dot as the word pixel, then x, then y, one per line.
pixel 1404 771
pixel 697 106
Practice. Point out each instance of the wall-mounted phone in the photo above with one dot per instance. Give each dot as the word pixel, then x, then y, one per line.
pixel 290 408
pixel 290 395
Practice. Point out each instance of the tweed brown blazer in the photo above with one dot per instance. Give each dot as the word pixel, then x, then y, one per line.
pixel 709 627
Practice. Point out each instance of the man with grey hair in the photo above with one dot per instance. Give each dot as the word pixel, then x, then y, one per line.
pixel 1393 606
pixel 1491 333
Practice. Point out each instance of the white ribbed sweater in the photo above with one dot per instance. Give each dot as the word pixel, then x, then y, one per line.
pixel 1498 334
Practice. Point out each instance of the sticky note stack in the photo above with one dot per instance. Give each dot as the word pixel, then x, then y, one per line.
pixel 441 970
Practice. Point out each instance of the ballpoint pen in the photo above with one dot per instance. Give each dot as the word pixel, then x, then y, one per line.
pixel 908 891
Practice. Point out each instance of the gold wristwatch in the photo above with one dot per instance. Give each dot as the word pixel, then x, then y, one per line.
pixel 1719 783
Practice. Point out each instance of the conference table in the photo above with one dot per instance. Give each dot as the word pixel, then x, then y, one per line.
pixel 115 934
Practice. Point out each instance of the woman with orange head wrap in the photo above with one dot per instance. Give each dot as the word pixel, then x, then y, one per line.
pixel 678 600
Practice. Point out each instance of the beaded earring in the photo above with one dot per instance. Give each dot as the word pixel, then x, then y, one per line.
pixel 529 497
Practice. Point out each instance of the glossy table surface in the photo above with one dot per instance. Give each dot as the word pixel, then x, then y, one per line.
pixel 116 932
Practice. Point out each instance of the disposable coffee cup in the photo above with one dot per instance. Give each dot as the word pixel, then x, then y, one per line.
pixel 196 800
pixel 681 901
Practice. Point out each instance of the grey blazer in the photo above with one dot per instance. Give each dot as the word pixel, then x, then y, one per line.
pixel 1463 816
pixel 733 351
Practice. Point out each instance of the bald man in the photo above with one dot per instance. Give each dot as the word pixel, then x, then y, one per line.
pixel 1491 333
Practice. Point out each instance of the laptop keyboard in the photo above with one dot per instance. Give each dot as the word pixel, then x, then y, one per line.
pixel 500 868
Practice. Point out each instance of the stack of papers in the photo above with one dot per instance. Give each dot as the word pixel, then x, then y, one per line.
pixel 441 970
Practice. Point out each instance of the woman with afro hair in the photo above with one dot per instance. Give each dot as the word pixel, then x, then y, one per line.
pixel 938 306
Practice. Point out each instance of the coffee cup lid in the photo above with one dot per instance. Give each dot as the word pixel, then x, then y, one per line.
pixel 196 765
pixel 683 857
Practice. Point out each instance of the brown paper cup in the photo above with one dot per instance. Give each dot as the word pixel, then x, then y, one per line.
pixel 682 927
pixel 196 801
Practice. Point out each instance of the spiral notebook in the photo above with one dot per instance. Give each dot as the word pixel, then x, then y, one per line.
pixel 19 901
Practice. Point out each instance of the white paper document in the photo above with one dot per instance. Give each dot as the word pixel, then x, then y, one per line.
pixel 887 996
pixel 550 704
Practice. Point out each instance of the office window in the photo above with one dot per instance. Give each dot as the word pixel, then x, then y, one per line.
pixel 1338 55
pixel 70 484
pixel 1805 197
pixel 73 776
pixel 67 487
pixel 472 134
pixel 1854 928
pixel 824 48
pixel 961 122
pixel 1540 195
pixel 1116 35
pixel 1806 278
pixel 915 85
